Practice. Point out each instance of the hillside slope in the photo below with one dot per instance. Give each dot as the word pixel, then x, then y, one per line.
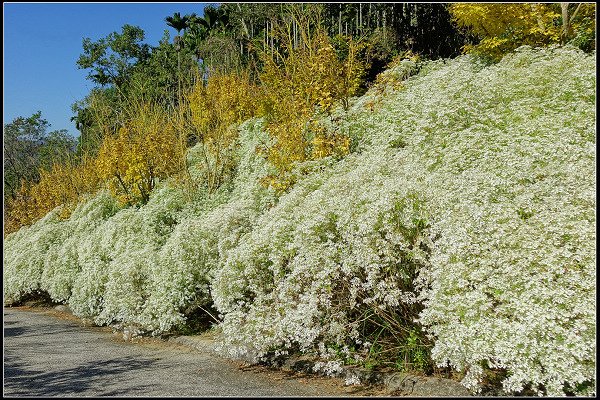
pixel 459 232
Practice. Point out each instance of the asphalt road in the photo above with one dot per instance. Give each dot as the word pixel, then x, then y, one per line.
pixel 46 355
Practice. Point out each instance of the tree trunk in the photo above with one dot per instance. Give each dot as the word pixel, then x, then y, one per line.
pixel 566 28
pixel 179 74
pixel 340 21
pixel 360 19
pixel 272 37
pixel 357 17
pixel 294 34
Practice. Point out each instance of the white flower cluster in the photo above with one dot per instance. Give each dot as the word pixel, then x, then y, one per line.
pixel 510 157
pixel 352 380
pixel 44 256
pixel 143 268
pixel 471 193
pixel 328 248
pixel 499 161
pixel 512 277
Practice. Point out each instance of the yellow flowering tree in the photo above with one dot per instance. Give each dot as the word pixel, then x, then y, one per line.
pixel 217 107
pixel 147 148
pixel 502 27
pixel 303 77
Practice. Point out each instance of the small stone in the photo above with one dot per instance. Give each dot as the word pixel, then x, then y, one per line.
pixel 404 384
pixel 63 308
pixel 431 386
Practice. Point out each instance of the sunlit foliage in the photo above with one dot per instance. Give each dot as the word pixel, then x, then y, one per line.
pixel 305 76
pixel 146 149
pixel 217 108
pixel 61 185
pixel 502 27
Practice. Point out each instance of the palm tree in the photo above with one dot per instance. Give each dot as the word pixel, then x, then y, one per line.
pixel 179 23
pixel 195 36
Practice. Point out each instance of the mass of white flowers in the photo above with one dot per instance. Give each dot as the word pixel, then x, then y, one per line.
pixel 142 268
pixel 509 152
pixel 44 256
pixel 469 196
pixel 512 183
pixel 499 161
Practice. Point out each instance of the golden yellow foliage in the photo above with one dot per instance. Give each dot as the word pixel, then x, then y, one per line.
pixel 300 80
pixel 326 143
pixel 502 27
pixel 146 148
pixel 63 184
pixel 217 107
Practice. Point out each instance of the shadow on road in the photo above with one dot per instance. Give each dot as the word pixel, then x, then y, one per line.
pixel 11 332
pixel 85 378
pixel 41 329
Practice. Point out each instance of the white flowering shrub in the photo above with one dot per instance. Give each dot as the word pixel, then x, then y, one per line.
pixel 460 232
pixel 182 275
pixel 119 256
pixel 24 253
pixel 61 260
pixel 498 163
pixel 326 258
pixel 512 278
pixel 509 154
pixel 42 257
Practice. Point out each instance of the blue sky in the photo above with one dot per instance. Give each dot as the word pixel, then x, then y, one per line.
pixel 42 42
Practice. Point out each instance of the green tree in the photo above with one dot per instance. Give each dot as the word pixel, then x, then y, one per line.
pixel 158 79
pixel 99 114
pixel 58 148
pixel 27 147
pixel 178 22
pixel 215 19
pixel 23 138
pixel 112 59
pixel 195 35
pixel 112 62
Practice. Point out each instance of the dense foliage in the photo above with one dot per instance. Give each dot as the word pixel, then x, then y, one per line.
pixel 34 164
pixel 459 234
pixel 259 174
pixel 502 28
pixel 28 148
pixel 296 82
pixel 146 149
pixel 217 109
